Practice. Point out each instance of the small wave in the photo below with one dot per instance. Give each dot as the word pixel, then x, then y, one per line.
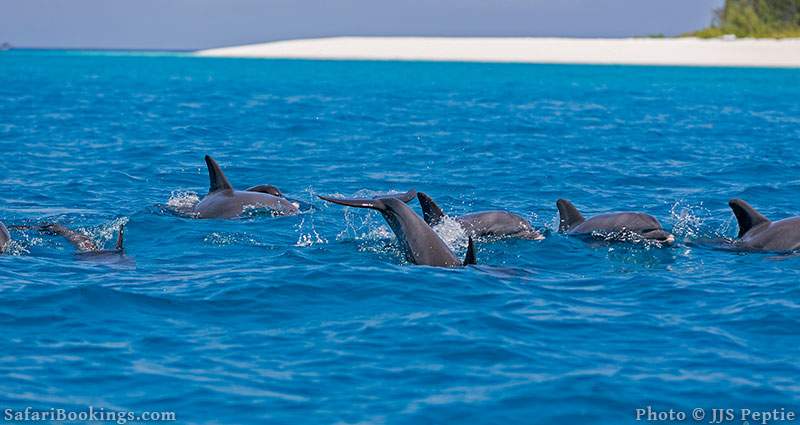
pixel 226 239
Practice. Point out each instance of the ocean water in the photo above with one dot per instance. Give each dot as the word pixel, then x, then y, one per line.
pixel 317 318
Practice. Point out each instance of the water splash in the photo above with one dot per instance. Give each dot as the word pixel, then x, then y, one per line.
pixel 695 222
pixel 312 237
pixel 451 232
pixel 183 203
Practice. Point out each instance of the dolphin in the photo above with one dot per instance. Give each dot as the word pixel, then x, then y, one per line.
pixel 758 233
pixel 5 238
pixel 620 225
pixel 86 247
pixel 420 244
pixel 222 201
pixel 491 224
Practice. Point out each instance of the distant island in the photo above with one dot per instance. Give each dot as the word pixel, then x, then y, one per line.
pixel 755 18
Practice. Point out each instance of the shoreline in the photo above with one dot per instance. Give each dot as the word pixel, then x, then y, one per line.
pixel 772 53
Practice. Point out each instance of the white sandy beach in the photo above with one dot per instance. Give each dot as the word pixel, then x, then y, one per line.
pixel 628 51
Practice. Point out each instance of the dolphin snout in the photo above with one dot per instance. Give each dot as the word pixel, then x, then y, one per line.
pixel 531 234
pixel 661 236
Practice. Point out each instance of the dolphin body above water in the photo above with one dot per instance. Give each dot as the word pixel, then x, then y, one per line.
pixel 222 201
pixel 623 226
pixel 420 244
pixel 484 224
pixel 5 238
pixel 758 233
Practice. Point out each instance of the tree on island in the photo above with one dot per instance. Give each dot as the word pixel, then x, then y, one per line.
pixel 755 18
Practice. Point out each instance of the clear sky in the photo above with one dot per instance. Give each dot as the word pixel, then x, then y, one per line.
pixel 194 24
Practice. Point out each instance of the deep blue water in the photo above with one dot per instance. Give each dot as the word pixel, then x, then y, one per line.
pixel 317 318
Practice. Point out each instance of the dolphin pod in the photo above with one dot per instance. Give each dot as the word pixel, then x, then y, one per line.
pixel 422 245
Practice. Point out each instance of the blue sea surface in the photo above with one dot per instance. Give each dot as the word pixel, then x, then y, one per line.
pixel 317 318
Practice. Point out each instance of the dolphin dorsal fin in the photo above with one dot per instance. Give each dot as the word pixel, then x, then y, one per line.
pixel 569 216
pixel 746 216
pixel 470 259
pixel 217 179
pixel 120 237
pixel 431 212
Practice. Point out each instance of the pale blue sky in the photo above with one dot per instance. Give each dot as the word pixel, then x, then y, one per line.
pixel 194 24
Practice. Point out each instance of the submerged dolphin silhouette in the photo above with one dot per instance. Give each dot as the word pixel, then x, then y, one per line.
pixel 420 244
pixel 758 233
pixel 620 225
pixel 493 224
pixel 5 238
pixel 85 246
pixel 222 201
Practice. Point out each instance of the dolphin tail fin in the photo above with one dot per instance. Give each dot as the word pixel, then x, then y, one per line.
pixel 375 204
pixel 217 179
pixel 569 216
pixel 266 188
pixel 405 197
pixel 746 216
pixel 120 237
pixel 430 211
pixel 470 259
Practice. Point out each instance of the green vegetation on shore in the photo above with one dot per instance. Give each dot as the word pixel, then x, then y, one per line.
pixel 755 18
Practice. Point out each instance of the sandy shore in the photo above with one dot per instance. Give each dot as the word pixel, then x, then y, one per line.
pixel 629 51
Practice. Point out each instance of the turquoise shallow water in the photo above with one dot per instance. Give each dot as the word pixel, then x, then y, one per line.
pixel 316 318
